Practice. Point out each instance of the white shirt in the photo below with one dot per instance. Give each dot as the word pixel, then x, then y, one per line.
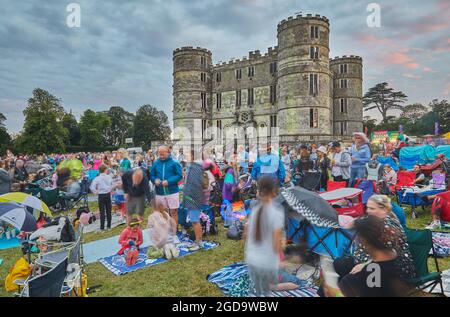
pixel 336 170
pixel 102 184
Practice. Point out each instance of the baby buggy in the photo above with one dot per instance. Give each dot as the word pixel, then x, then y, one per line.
pixel 346 201
pixel 246 188
pixel 309 180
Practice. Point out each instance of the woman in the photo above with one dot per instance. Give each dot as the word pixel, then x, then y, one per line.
pixel 286 160
pixel 322 164
pixel 361 154
pixel 263 234
pixel 393 237
pixel 304 162
pixel 5 178
pixel 360 281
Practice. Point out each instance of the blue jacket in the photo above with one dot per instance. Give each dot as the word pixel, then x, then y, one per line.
pixel 169 170
pixel 362 155
pixel 269 165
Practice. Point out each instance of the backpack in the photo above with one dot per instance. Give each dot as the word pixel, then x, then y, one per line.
pixel 81 215
pixel 235 231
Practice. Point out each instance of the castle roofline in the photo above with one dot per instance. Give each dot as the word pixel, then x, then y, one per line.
pixel 347 57
pixel 301 17
pixel 191 49
pixel 252 56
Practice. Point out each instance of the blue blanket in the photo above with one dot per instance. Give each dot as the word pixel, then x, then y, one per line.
pixel 117 265
pixel 388 160
pixel 225 278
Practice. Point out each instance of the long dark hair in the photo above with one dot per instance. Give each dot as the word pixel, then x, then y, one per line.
pixel 371 230
pixel 266 186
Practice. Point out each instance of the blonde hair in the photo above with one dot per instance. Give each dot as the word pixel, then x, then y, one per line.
pixel 161 208
pixel 383 201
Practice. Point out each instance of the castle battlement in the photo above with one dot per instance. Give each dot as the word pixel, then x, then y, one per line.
pixel 300 18
pixel 352 58
pixel 252 57
pixel 192 49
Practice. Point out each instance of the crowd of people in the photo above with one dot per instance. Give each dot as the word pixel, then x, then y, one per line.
pixel 166 179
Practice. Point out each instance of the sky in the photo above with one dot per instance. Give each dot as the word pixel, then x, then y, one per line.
pixel 121 55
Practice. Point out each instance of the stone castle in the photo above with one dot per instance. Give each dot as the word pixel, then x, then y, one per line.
pixel 295 86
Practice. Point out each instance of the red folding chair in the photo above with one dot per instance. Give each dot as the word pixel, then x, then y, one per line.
pixel 332 185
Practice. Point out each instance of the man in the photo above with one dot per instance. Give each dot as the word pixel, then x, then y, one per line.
pixel 165 175
pixel 340 163
pixel 420 177
pixel 181 157
pixel 136 188
pixel 242 157
pixel 269 164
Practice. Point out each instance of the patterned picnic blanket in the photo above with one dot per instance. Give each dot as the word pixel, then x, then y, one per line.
pixel 233 278
pixel 441 241
pixel 117 265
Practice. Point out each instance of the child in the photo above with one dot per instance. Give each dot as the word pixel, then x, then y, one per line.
pixel 162 232
pixel 286 280
pixel 102 186
pixel 131 236
pixel 263 234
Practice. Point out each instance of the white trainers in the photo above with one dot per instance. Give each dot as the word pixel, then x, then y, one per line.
pixel 435 224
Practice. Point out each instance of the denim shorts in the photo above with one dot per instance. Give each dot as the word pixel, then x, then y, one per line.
pixel 285 277
pixel 194 215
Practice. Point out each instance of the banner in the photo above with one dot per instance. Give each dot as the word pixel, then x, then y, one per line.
pixel 378 136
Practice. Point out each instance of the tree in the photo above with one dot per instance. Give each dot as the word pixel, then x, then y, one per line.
pixel 70 123
pixel 149 125
pixel 121 123
pixel 383 98
pixel 92 127
pixel 370 124
pixel 43 130
pixel 412 113
pixel 441 109
pixel 5 138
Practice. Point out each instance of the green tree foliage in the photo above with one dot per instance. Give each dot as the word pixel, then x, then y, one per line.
pixel 370 124
pixel 5 138
pixel 442 111
pixel 120 128
pixel 150 124
pixel 383 98
pixel 70 123
pixel 43 130
pixel 92 128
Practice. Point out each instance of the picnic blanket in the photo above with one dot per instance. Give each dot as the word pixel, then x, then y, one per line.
pixel 116 263
pixel 116 220
pixel 9 243
pixel 441 241
pixel 226 278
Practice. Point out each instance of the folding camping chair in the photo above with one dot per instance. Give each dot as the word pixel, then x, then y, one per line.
pixel 332 185
pixel 49 284
pixel 421 244
pixel 368 188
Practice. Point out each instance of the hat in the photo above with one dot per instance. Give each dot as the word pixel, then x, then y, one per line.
pixel 362 135
pixel 135 222
pixel 335 144
pixel 322 149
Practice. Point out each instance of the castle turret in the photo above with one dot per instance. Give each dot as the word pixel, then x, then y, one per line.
pixel 304 79
pixel 192 68
pixel 347 95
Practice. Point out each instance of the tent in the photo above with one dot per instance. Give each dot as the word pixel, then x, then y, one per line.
pixel 443 149
pixel 411 155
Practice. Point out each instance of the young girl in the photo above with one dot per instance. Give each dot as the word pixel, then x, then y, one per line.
pixel 131 236
pixel 162 227
pixel 263 238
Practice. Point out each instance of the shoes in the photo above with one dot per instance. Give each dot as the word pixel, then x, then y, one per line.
pixel 435 224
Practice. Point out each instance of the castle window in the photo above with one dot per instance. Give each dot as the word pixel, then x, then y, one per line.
pixel 250 99
pixel 238 99
pixel 273 121
pixel 314 32
pixel 344 83
pixel 313 84
pixel 219 129
pixel 273 67
pixel 238 73
pixel 314 52
pixel 218 77
pixel 343 69
pixel 203 77
pixel 343 105
pixel 273 94
pixel 343 128
pixel 204 126
pixel 218 101
pixel 203 61
pixel 251 71
pixel 313 118
pixel 203 98
pixel 244 117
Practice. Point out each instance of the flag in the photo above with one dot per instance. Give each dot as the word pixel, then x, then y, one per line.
pixel 436 128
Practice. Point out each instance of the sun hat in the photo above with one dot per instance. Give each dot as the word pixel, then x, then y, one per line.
pixel 322 149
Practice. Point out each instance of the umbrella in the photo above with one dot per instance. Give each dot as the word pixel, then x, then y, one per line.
pixel 17 216
pixel 310 206
pixel 26 200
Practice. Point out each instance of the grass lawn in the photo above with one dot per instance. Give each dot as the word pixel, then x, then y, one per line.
pixel 181 277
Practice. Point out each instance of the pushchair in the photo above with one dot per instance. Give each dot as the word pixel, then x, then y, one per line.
pixel 346 201
pixel 246 188
pixel 309 180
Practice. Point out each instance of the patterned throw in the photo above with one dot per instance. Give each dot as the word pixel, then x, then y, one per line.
pixel 116 263
pixel 441 241
pixel 233 281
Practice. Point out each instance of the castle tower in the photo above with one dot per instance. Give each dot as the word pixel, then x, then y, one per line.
pixel 304 79
pixel 192 68
pixel 347 95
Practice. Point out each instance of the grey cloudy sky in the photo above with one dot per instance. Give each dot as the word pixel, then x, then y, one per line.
pixel 122 53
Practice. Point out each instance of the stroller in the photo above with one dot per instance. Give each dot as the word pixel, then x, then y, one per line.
pixel 346 201
pixel 309 180
pixel 246 189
